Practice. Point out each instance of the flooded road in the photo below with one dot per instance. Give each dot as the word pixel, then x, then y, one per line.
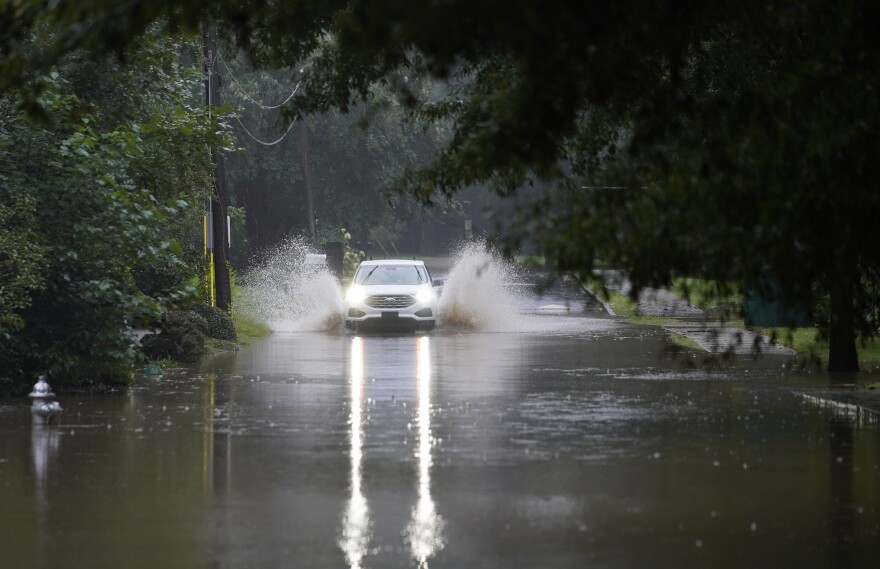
pixel 573 441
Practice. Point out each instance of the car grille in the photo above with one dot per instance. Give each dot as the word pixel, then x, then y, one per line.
pixel 390 301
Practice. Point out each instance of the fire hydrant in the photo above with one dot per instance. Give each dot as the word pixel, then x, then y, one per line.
pixel 44 409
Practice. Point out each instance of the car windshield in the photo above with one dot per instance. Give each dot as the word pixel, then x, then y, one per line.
pixel 391 275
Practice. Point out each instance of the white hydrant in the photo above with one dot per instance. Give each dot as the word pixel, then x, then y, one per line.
pixel 44 409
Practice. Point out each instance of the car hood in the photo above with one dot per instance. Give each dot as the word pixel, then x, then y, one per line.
pixel 391 289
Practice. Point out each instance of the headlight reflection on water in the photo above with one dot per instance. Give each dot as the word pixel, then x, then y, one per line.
pixel 356 533
pixel 424 533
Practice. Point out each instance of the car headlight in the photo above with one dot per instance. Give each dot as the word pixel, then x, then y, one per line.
pixel 424 295
pixel 355 294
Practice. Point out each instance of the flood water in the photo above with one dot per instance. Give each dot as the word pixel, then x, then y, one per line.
pixel 571 440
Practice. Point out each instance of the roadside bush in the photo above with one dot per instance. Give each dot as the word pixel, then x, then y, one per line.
pixel 219 322
pixel 182 338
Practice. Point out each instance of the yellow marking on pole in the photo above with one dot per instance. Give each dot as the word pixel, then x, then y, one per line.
pixel 211 278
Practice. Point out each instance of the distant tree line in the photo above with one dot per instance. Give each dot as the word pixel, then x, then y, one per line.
pixel 352 159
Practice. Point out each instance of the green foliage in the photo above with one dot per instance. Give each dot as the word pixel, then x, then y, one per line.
pixel 247 328
pixel 219 323
pixel 96 201
pixel 621 304
pixel 22 259
pixel 706 294
pixel 718 300
pixel 351 257
pixel 812 343
pixel 684 342
pixel 182 338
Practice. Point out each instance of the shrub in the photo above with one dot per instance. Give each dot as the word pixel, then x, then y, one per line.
pixel 219 322
pixel 182 338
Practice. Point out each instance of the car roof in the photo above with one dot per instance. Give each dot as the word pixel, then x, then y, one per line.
pixel 391 262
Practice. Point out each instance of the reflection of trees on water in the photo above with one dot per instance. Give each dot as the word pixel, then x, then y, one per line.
pixel 424 532
pixel 849 537
pixel 840 490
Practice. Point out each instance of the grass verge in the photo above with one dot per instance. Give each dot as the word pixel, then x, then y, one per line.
pixel 809 342
pixel 621 304
pixel 248 328
pixel 685 342
pixel 707 295
pixel 720 303
pixel 624 306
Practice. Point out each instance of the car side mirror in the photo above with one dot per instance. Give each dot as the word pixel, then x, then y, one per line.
pixel 437 283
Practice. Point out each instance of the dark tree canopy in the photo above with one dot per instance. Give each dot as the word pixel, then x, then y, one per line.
pixel 743 135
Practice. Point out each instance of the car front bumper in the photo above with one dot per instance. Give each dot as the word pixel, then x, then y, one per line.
pixel 419 315
pixel 389 319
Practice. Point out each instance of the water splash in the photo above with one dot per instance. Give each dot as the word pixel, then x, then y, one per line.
pixel 290 295
pixel 482 292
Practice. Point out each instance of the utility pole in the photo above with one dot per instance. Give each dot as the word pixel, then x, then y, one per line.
pixel 306 163
pixel 218 246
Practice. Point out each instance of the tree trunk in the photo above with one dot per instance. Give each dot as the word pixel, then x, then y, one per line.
pixel 842 355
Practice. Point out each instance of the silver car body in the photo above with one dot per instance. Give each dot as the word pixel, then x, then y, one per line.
pixel 391 293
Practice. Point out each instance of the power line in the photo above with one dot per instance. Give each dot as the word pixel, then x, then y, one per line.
pixel 251 99
pixel 257 140
pixel 259 104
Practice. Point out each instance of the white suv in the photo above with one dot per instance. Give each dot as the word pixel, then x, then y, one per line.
pixel 393 294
